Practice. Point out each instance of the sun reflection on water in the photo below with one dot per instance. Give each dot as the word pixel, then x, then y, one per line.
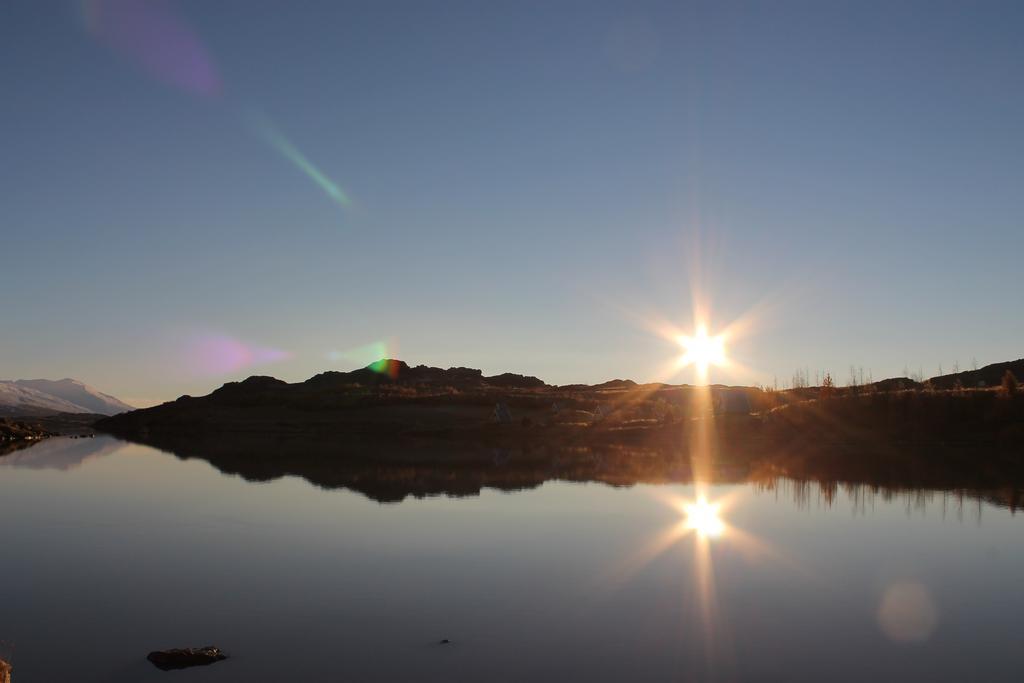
pixel 703 517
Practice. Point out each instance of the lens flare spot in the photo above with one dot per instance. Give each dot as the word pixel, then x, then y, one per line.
pixel 386 366
pixel 365 355
pixel 217 354
pixel 156 38
pixel 907 613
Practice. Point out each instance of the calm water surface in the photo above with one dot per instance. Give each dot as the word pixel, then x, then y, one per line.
pixel 111 550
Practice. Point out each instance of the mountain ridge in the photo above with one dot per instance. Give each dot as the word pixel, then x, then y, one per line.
pixel 391 398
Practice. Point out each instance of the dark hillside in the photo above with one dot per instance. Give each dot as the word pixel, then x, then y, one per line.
pixel 988 376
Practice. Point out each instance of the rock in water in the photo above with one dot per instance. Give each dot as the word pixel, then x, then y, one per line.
pixel 5 672
pixel 182 659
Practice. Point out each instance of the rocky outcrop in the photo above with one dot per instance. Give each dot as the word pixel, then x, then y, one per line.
pixel 512 380
pixel 391 371
pixel 168 660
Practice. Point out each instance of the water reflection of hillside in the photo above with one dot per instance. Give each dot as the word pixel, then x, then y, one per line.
pixel 390 472
pixel 57 453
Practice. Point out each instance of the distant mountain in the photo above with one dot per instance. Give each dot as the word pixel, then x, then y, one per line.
pixel 44 396
pixel 19 400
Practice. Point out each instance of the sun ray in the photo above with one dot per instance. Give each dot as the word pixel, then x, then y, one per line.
pixel 647 553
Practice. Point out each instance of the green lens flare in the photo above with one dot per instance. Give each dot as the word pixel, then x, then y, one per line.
pixel 378 352
pixel 370 354
pixel 273 137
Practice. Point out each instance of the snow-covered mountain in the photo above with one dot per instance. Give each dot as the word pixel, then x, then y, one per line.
pixel 37 396
pixel 16 400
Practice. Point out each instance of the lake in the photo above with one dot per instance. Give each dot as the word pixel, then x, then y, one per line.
pixel 111 550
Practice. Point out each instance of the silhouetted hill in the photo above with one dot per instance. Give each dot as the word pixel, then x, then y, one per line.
pixel 616 384
pixel 391 397
pixel 399 373
pixel 895 384
pixel 512 380
pixel 389 400
pixel 988 376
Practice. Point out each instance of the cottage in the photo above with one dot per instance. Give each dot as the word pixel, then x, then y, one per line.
pixel 732 402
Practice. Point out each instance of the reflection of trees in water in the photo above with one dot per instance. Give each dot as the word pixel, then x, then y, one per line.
pixel 863 497
pixel 390 471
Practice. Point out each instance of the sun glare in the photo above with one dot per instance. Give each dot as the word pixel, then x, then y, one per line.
pixel 702 351
pixel 703 517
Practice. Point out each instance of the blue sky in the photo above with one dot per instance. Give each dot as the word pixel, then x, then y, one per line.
pixel 527 181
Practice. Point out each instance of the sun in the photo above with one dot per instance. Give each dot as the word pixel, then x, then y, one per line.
pixel 702 351
pixel 703 517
